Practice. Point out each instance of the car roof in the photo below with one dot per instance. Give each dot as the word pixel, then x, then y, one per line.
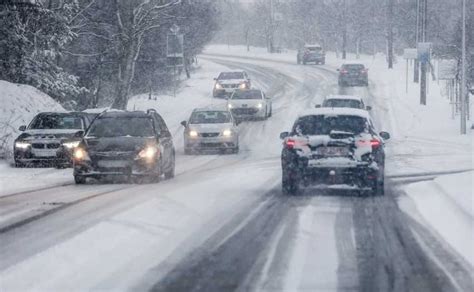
pixel 340 111
pixel 312 46
pixel 353 63
pixel 350 97
pixel 62 114
pixel 234 71
pixel 124 114
pixel 220 108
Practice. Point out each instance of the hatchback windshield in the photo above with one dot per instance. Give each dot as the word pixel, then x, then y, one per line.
pixel 57 122
pixel 342 103
pixel 210 117
pixel 323 125
pixel 247 94
pixel 353 67
pixel 122 127
pixel 231 75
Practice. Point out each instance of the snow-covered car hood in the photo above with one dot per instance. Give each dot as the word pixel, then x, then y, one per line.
pixel 245 102
pixel 48 134
pixel 210 128
pixel 231 81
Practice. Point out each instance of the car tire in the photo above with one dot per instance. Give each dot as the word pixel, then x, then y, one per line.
pixel 19 164
pixel 235 150
pixel 170 173
pixel 187 151
pixel 271 110
pixel 79 179
pixel 289 183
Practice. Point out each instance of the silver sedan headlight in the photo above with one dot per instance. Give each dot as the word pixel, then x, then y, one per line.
pixel 22 145
pixel 71 145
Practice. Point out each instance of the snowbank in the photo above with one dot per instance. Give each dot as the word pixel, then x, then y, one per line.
pixel 445 205
pixel 19 104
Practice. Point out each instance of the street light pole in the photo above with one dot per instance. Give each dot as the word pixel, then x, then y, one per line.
pixel 463 73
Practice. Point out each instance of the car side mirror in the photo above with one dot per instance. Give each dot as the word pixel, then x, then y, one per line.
pixel 317 106
pixel 22 128
pixel 384 135
pixel 338 69
pixel 283 135
pixel 215 78
pixel 369 108
pixel 238 122
pixel 184 123
pixel 79 134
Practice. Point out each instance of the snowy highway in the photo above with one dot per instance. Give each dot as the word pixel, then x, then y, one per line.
pixel 223 224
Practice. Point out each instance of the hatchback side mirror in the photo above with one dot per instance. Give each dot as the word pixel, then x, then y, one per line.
pixel 22 128
pixel 369 108
pixel 338 70
pixel 283 135
pixel 317 106
pixel 184 123
pixel 384 135
pixel 79 134
pixel 215 78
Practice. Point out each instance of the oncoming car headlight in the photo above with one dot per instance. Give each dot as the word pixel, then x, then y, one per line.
pixel 193 133
pixel 227 133
pixel 218 86
pixel 229 105
pixel 22 145
pixel 71 145
pixel 81 154
pixel 149 152
pixel 260 105
pixel 243 86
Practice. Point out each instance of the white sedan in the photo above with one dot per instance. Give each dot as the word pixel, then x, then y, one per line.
pixel 249 104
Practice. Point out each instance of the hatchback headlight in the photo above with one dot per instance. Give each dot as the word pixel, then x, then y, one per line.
pixel 71 145
pixel 81 154
pixel 260 105
pixel 229 105
pixel 227 133
pixel 193 133
pixel 218 86
pixel 22 145
pixel 242 85
pixel 149 152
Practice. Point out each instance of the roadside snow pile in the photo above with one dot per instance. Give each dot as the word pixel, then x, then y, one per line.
pixel 19 104
pixel 445 205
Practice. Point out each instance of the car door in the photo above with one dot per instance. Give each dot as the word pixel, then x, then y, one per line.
pixel 166 140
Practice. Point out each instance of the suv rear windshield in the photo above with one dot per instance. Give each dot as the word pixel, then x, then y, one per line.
pixel 353 67
pixel 247 94
pixel 231 75
pixel 55 121
pixel 314 49
pixel 210 117
pixel 323 125
pixel 121 127
pixel 342 103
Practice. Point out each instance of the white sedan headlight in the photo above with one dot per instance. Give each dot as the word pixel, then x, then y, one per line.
pixel 243 86
pixel 22 145
pixel 260 105
pixel 193 133
pixel 227 133
pixel 71 145
pixel 218 86
pixel 229 105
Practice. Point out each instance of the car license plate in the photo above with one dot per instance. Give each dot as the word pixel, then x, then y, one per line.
pixel 112 163
pixel 44 152
pixel 334 151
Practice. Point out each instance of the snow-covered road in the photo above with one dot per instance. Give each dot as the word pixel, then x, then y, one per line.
pixel 223 224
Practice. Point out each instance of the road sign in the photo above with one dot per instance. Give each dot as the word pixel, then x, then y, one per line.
pixel 174 46
pixel 424 52
pixel 410 54
pixel 447 69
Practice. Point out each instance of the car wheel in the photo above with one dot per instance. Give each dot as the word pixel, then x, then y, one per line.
pixel 290 183
pixel 19 164
pixel 235 150
pixel 79 179
pixel 170 173
pixel 271 110
pixel 187 151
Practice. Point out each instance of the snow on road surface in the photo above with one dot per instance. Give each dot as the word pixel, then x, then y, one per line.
pixel 223 224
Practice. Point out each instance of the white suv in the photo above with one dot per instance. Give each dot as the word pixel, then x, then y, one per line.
pixel 248 104
pixel 227 82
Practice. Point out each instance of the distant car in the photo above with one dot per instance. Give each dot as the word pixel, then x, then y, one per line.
pixel 349 101
pixel 311 54
pixel 210 129
pixel 353 74
pixel 49 139
pixel 227 82
pixel 134 144
pixel 250 104
pixel 336 147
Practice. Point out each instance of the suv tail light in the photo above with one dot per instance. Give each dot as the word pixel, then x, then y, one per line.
pixel 375 143
pixel 343 71
pixel 363 71
pixel 291 143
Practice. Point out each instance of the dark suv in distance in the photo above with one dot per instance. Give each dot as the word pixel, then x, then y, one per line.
pixel 134 144
pixel 311 54
pixel 49 138
pixel 334 148
pixel 353 74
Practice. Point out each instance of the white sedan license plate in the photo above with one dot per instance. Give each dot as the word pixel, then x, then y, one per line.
pixel 112 163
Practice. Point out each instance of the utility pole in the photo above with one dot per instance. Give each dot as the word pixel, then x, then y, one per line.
pixel 416 67
pixel 272 28
pixel 390 34
pixel 463 73
pixel 344 31
pixel 424 23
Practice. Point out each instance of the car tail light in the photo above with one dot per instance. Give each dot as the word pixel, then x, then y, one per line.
pixel 343 71
pixel 375 143
pixel 291 143
pixel 363 71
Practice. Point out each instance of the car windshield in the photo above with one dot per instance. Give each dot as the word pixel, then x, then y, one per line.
pixel 44 122
pixel 121 127
pixel 353 67
pixel 323 125
pixel 210 117
pixel 351 103
pixel 231 75
pixel 247 94
pixel 314 49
